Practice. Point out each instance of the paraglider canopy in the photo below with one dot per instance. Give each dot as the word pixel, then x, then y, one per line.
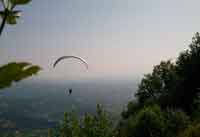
pixel 68 57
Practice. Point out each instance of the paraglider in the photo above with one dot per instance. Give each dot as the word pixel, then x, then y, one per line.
pixel 70 91
pixel 68 57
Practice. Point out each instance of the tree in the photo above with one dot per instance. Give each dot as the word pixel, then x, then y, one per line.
pixel 8 14
pixel 98 125
pixel 157 86
pixel 175 122
pixel 148 122
pixel 188 69
pixel 65 130
pixel 176 84
pixel 132 109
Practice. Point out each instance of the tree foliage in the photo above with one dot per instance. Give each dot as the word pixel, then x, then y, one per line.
pixel 188 66
pixel 8 14
pixel 193 130
pixel 15 72
pixel 148 122
pixel 98 125
pixel 158 84
pixel 174 87
pixel 175 122
pixel 174 84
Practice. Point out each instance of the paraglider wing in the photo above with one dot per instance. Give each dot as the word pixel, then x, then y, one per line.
pixel 67 57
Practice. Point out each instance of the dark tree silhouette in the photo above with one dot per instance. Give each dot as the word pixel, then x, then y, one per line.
pixel 176 84
pixel 158 86
pixel 188 70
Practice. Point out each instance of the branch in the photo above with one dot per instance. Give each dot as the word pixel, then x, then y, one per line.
pixel 3 22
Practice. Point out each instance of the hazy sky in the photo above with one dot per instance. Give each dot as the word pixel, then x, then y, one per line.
pixel 118 38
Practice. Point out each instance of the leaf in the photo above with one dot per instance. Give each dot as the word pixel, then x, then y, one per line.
pixel 11 20
pixel 12 17
pixel 20 2
pixel 15 72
